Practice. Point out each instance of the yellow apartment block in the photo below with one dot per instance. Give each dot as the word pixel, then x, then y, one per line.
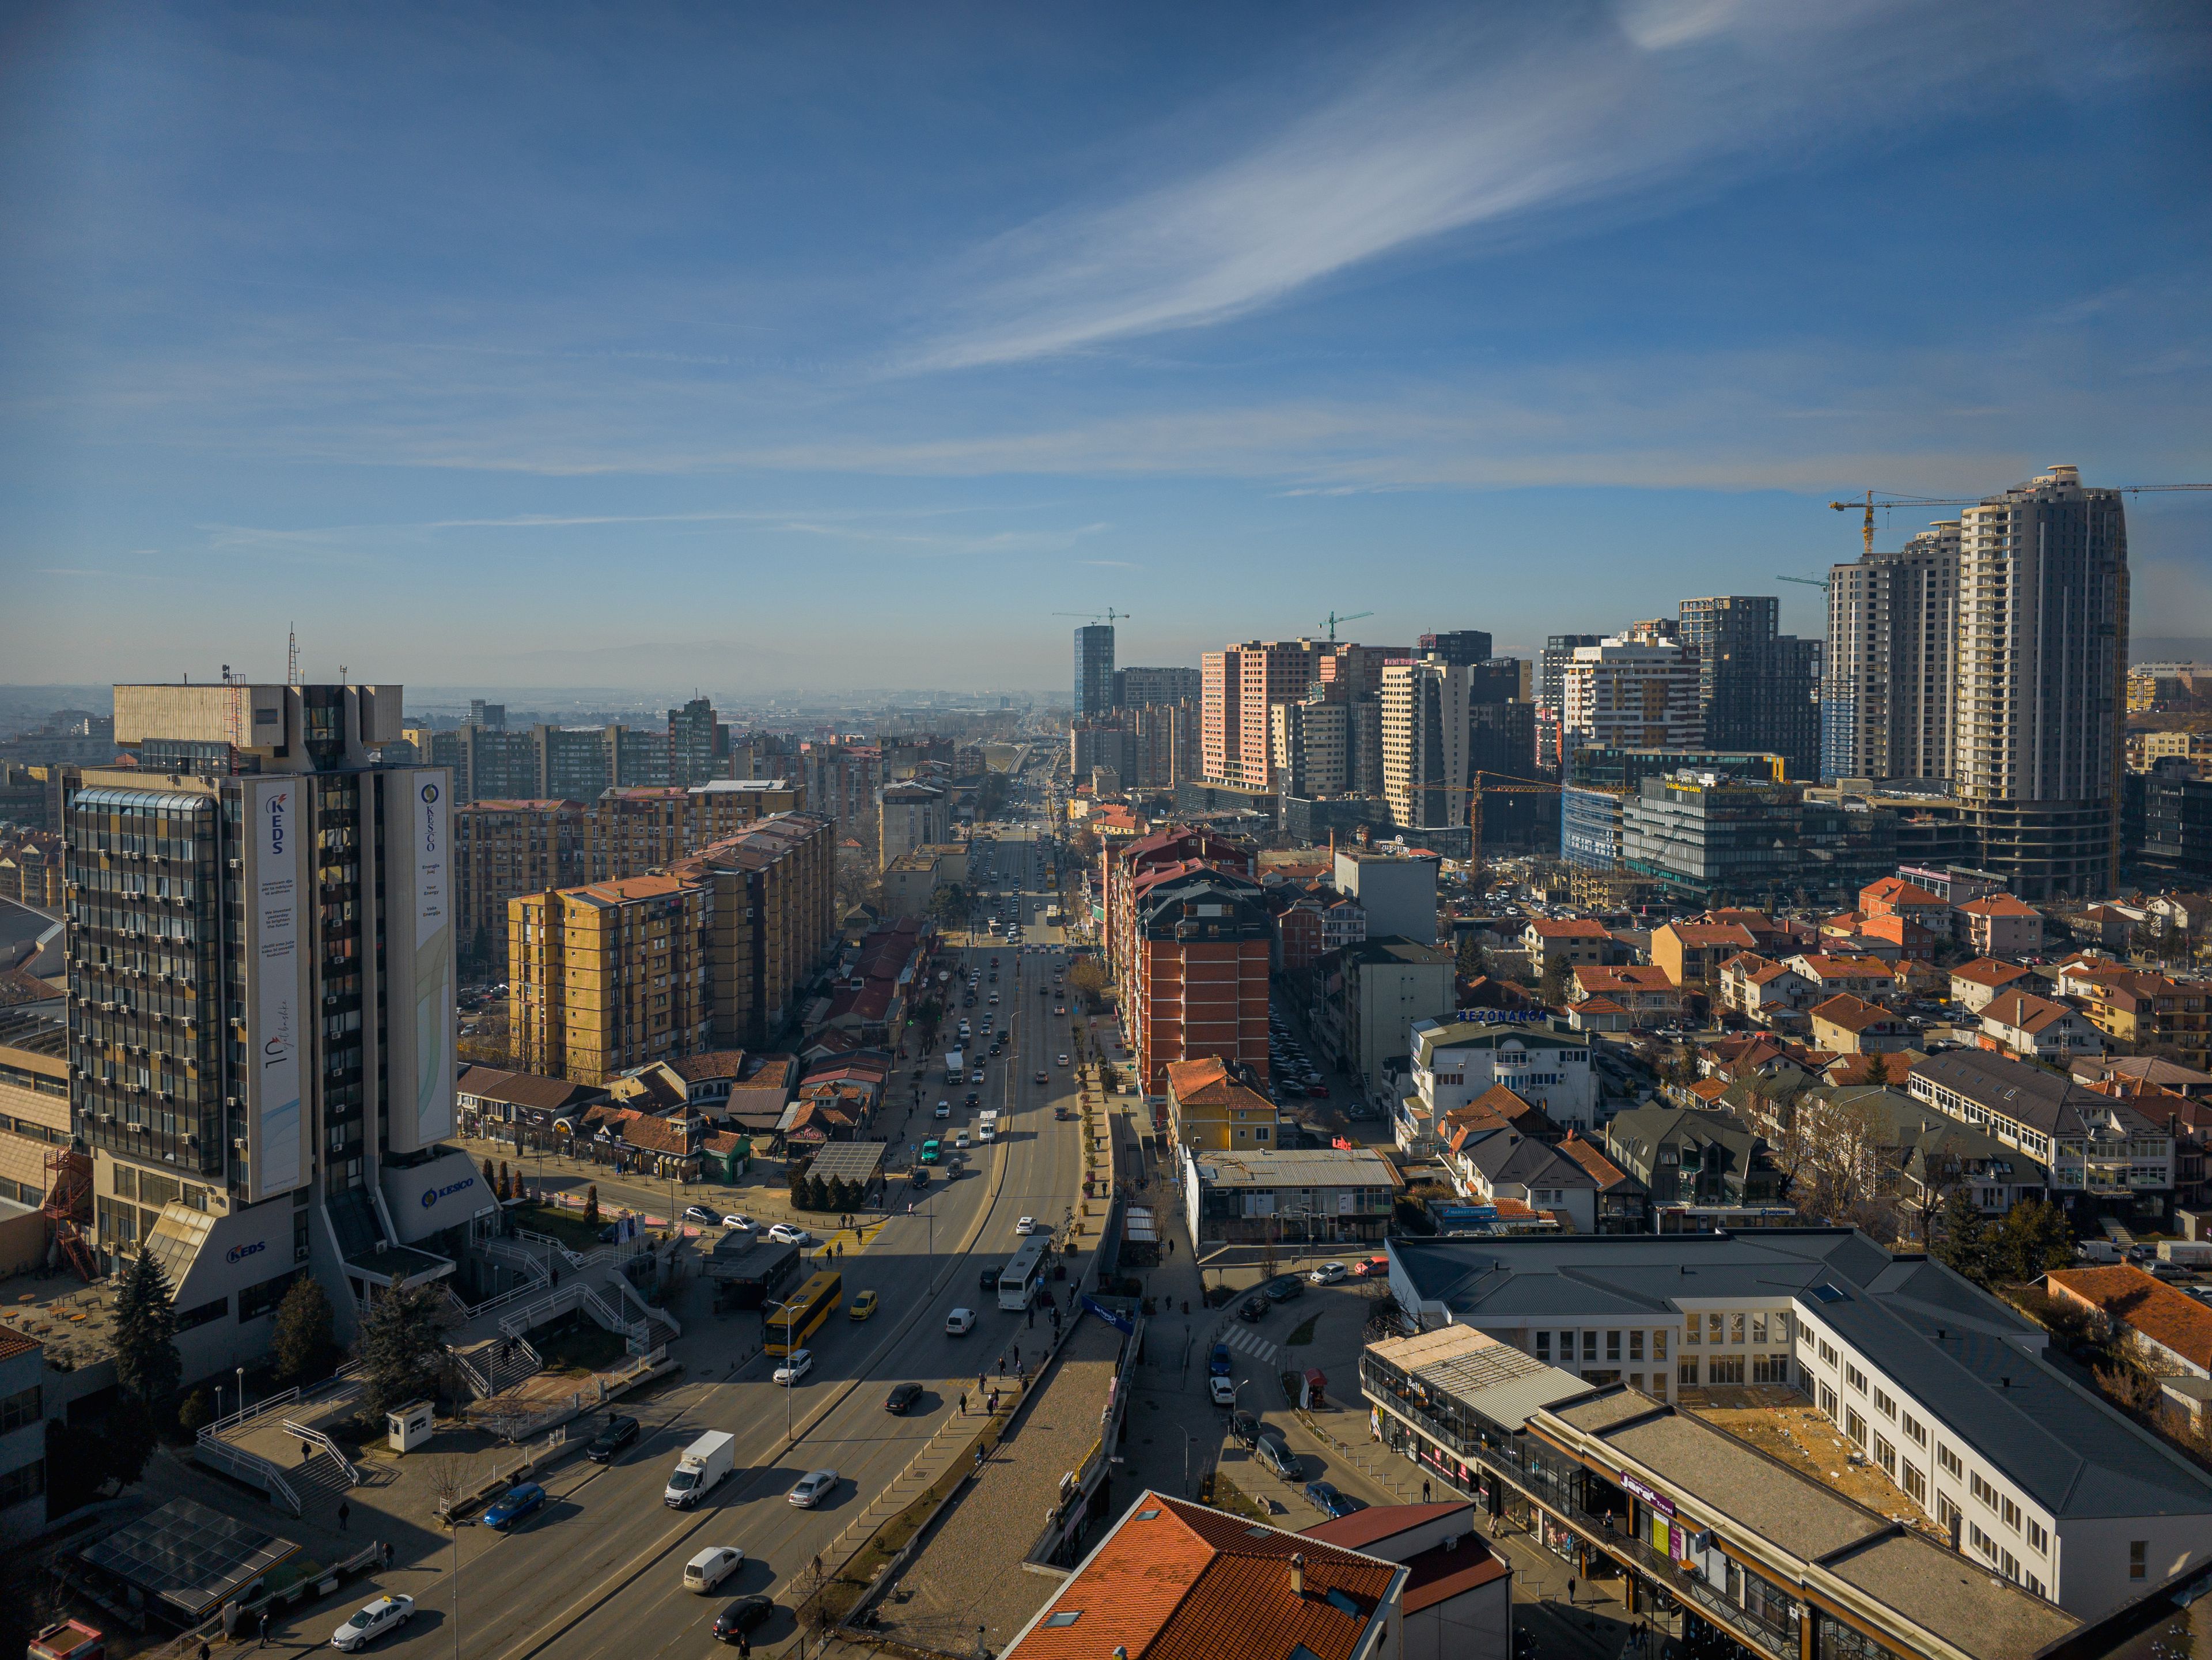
pixel 772 922
pixel 633 830
pixel 607 977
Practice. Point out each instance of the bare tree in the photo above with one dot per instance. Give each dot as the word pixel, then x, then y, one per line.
pixel 450 1475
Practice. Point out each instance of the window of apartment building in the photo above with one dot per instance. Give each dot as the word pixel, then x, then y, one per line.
pixel 1692 1329
pixel 1544 1347
pixel 2010 1512
pixel 1915 1482
pixel 1759 1327
pixel 1725 1369
pixel 1915 1429
pixel 1735 1328
pixel 1886 1456
pixel 126 1181
pixel 25 1481
pixel 1770 1368
pixel 1827 1352
pixel 1687 1373
pixel 1612 1346
pixel 1636 1346
pixel 1982 1541
pixel 1855 1425
pixel 1982 1490
pixel 1659 1344
pixel 1713 1328
pixel 2038 1540
pixel 1949 1461
pixel 1883 1404
pixel 1855 1378
pixel 1589 1346
pixel 19 1409
pixel 1828 1400
pixel 2138 1558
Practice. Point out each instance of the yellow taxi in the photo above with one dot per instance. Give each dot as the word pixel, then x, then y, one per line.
pixel 863 1305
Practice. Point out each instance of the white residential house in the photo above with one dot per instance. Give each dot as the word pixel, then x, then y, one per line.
pixel 2040 1028
pixel 1455 1061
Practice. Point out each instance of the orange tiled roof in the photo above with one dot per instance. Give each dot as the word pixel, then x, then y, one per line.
pixel 1988 971
pixel 1572 927
pixel 1896 891
pixel 1998 904
pixel 1648 976
pixel 2126 1294
pixel 1852 1014
pixel 1175 1581
pixel 2017 1009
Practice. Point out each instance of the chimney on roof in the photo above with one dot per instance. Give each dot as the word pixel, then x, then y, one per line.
pixel 1297 1573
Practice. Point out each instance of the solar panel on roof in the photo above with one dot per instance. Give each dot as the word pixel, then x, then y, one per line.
pixel 188 1556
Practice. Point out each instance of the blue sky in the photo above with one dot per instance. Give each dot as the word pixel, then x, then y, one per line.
pixel 824 347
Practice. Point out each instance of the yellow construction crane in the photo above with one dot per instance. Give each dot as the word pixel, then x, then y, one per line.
pixel 1866 504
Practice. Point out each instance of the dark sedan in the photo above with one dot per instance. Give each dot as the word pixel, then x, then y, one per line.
pixel 1254 1307
pixel 1326 1497
pixel 619 1432
pixel 742 1616
pixel 902 1398
pixel 1283 1288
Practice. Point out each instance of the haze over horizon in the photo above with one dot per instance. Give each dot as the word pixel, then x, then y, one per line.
pixel 846 349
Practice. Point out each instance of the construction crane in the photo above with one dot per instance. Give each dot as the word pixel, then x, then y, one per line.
pixel 1109 614
pixel 1333 619
pixel 1866 504
pixel 1521 786
pixel 1820 582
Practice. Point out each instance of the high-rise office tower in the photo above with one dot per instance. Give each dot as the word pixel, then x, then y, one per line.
pixel 1310 739
pixel 1139 688
pixel 1094 671
pixel 261 1005
pixel 1442 722
pixel 697 744
pixel 1552 668
pixel 1459 645
pixel 2042 662
pixel 1637 690
pixel 1757 685
pixel 1886 693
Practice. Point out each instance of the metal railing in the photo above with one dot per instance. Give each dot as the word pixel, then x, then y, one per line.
pixel 246 1466
pixel 316 1437
pixel 262 1408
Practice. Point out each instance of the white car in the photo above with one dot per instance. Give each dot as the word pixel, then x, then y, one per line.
pixel 1063 1059
pixel 784 1234
pixel 1027 1224
pixel 734 1220
pixel 1222 1391
pixel 384 1615
pixel 943 1110
pixel 959 1323
pixel 812 1488
pixel 1328 1274
pixel 796 1366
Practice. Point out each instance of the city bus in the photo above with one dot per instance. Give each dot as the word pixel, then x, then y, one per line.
pixel 1019 1281
pixel 800 1315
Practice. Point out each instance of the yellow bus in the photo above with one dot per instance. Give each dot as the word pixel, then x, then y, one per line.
pixel 799 1316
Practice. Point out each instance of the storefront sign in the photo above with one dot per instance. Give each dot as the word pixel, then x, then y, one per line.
pixel 1636 1489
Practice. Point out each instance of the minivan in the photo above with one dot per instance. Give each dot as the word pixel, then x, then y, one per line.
pixel 711 1567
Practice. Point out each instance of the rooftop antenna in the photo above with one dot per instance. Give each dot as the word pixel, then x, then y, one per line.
pixel 292 655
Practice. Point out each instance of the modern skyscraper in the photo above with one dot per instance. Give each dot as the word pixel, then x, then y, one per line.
pixel 1756 686
pixel 1239 684
pixel 1636 690
pixel 2042 666
pixel 1094 671
pixel 261 1005
pixel 1886 700
pixel 1457 646
pixel 1552 668
pixel 1310 739
pixel 1137 687
pixel 1442 722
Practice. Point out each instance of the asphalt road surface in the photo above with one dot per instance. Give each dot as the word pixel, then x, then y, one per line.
pixel 599 1570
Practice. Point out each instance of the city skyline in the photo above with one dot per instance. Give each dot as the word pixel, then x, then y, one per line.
pixel 731 325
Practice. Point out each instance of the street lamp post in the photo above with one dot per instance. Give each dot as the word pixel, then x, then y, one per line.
pixel 458 1526
pixel 241 1391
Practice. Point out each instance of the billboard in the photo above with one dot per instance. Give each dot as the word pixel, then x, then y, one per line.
pixel 430 818
pixel 276 1013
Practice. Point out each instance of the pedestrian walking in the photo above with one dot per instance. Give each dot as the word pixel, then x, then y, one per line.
pixel 1002 1365
pixel 262 1631
pixel 744 1646
pixel 344 1512
pixel 979 1461
pixel 964 1404
pixel 387 1553
pixel 206 1653
pixel 1424 1490
pixel 1570 1591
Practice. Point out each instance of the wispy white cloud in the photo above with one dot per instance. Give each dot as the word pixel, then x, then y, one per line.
pixel 1471 121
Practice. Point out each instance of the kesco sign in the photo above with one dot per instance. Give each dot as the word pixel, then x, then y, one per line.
pixel 432 1195
pixel 442 1192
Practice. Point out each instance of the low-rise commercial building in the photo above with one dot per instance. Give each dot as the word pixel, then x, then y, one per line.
pixel 1936 1385
pixel 1367 998
pixel 1210 1111
pixel 1320 1196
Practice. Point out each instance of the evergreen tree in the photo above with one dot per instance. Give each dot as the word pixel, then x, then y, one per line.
pixel 591 1206
pixel 304 1334
pixel 489 1186
pixel 2034 1237
pixel 1965 1246
pixel 196 1414
pixel 799 1200
pixel 401 1347
pixel 1473 962
pixel 146 1359
pixel 817 1193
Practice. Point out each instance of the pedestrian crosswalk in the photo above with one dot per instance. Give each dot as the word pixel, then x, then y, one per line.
pixel 1253 1345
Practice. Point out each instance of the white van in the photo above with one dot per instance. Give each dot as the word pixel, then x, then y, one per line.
pixel 986 1127
pixel 711 1567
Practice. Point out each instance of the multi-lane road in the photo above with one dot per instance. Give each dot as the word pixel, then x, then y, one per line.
pixel 600 1570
